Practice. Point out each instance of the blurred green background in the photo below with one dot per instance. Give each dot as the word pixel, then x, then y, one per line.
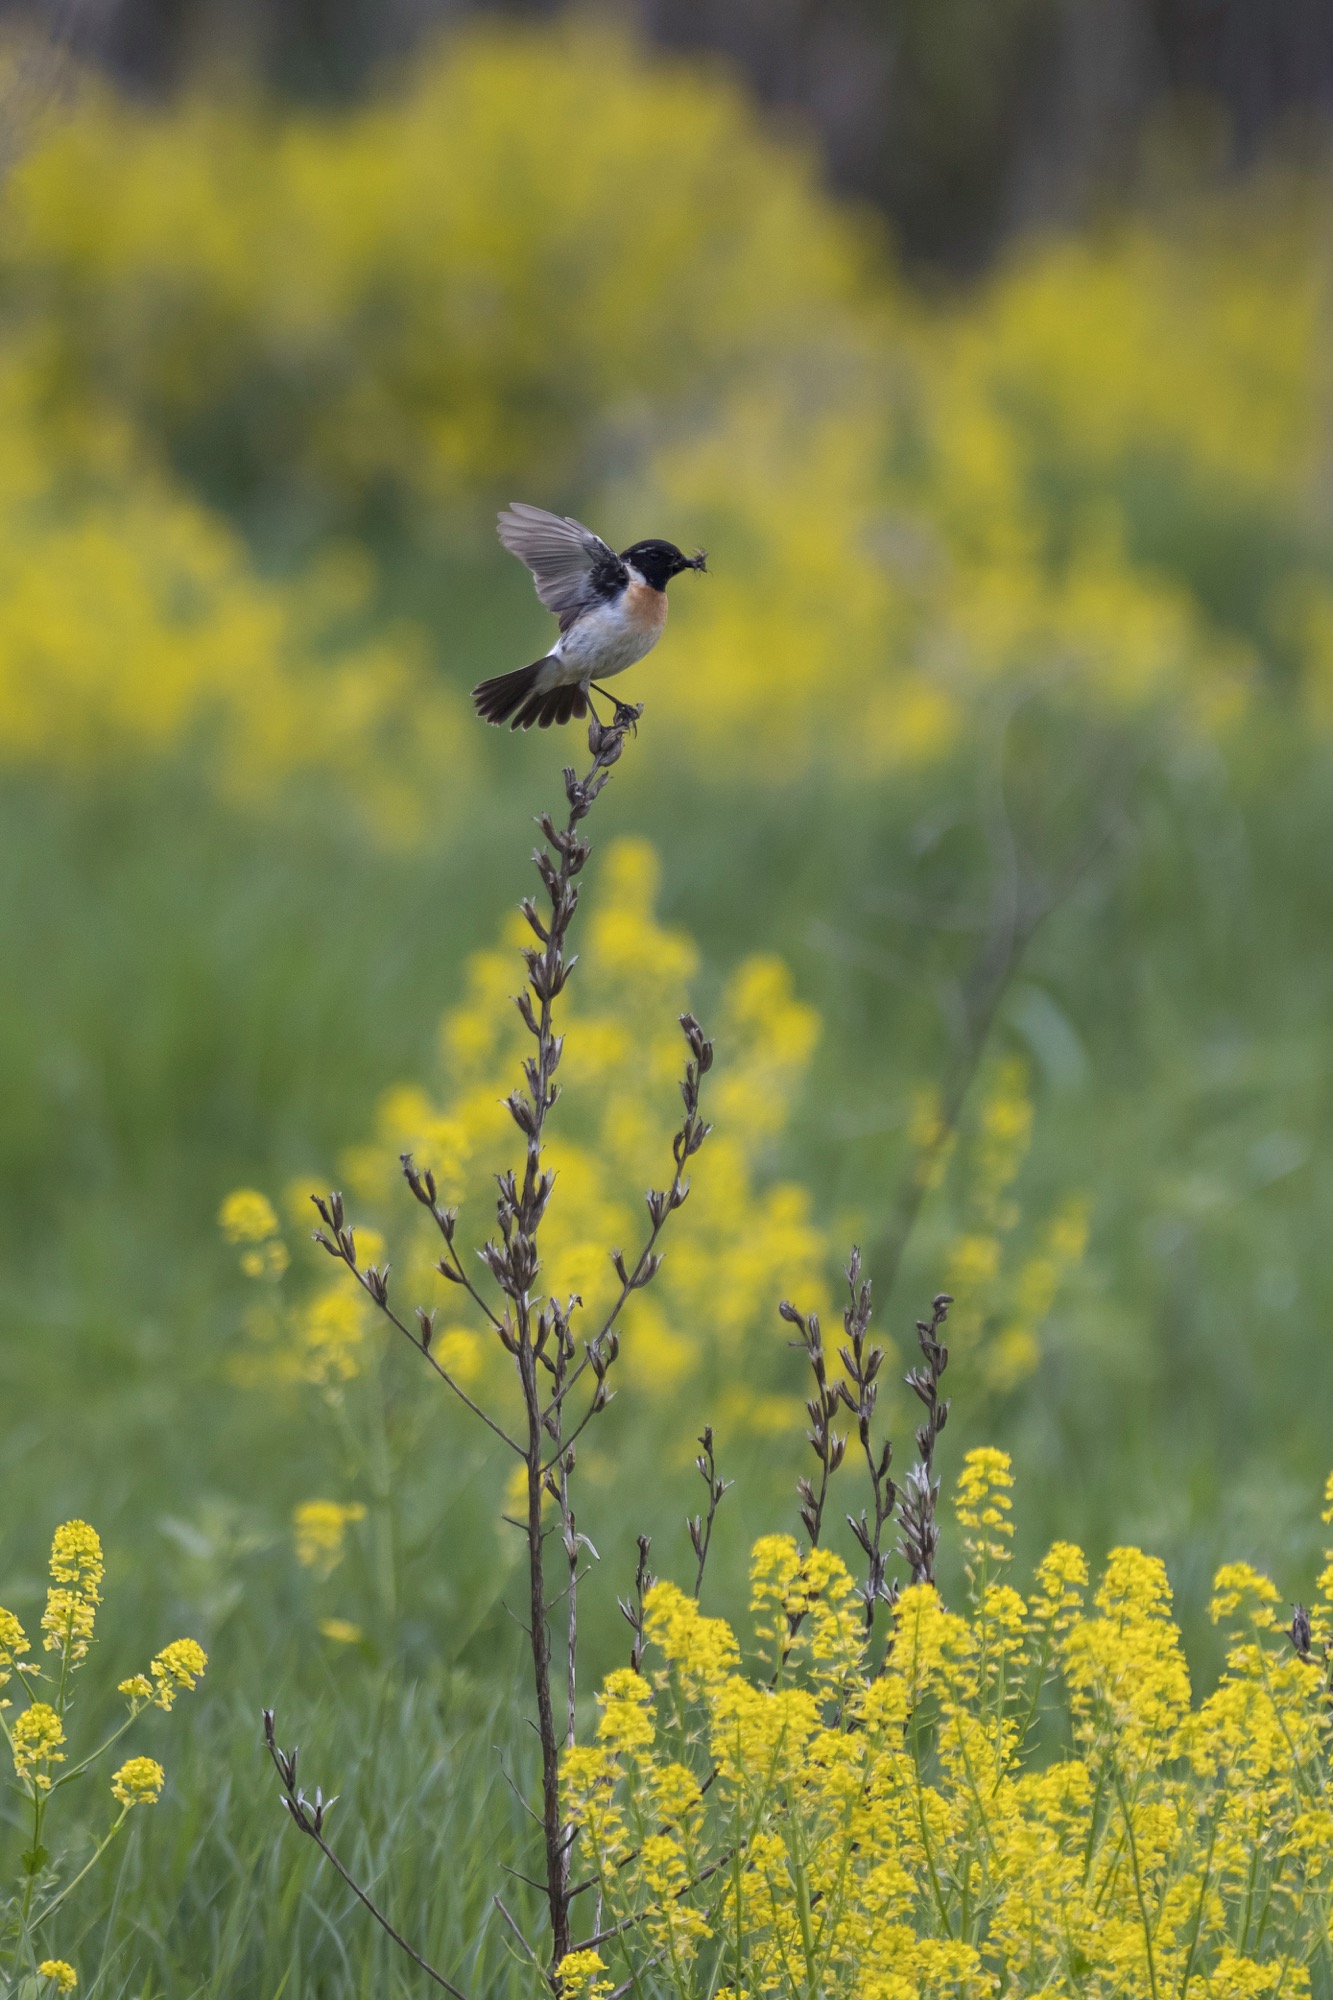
pixel 1004 722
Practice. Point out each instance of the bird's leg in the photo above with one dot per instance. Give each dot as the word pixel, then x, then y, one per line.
pixel 627 713
pixel 592 706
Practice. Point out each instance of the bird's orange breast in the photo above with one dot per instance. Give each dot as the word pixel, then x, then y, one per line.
pixel 645 608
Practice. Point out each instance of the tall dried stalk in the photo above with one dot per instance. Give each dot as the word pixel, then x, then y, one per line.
pixel 537 1332
pixel 552 1360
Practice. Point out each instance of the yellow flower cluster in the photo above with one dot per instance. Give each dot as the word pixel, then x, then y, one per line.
pixel 740 1240
pixel 1001 1298
pixel 38 1738
pixel 138 1782
pixel 13 1645
pixel 35 1741
pixel 951 512
pixel 920 1824
pixel 320 1532
pixel 247 1217
pixel 135 623
pixel 578 1976
pixel 178 1666
pixel 72 1600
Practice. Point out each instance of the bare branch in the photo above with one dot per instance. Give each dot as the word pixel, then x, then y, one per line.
pixel 374 1282
pixel 661 1202
pixel 921 1490
pixel 701 1526
pixel 863 1361
pixel 308 1815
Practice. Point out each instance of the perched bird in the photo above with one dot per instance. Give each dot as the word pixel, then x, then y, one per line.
pixel 611 609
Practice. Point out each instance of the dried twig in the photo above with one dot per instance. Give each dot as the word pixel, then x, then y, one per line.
pixel 309 1815
pixel 512 1258
pixel 539 1337
pixel 827 1444
pixel 374 1282
pixel 701 1526
pixel 661 1202
pixel 631 1608
pixel 921 1490
pixel 863 1361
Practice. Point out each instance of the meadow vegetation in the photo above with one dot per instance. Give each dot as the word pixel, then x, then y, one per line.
pixel 980 807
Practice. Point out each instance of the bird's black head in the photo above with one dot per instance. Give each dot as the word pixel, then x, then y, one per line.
pixel 658 562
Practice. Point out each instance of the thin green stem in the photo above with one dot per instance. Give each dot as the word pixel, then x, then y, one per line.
pixel 73 1884
pixel 1139 1893
pixel 68 1777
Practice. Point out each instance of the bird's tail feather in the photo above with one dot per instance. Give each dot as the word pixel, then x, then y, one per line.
pixel 516 695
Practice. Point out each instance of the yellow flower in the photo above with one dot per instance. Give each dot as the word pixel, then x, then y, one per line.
pixel 341 1631
pixel 320 1531
pixel 37 1736
pixel 76 1559
pixel 179 1665
pixel 271 1260
pixel 1126 1667
pixel 1005 1135
pixel 331 1331
pixel 775 1565
pixel 461 1353
pixel 702 1650
pixel 60 1972
pixel 930 1138
pixel 983 1507
pixel 13 1644
pixel 675 1791
pixel 1059 1584
pixel 625 1723
pixel 1243 1596
pixel 138 1688
pixel 72 1600
pixel 68 1622
pixel 578 1972
pixel 139 1782
pixel 874 1803
pixel 247 1216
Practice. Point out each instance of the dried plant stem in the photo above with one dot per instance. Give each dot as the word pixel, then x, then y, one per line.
pixel 632 1608
pixel 514 1264
pixel 921 1491
pixel 374 1282
pixel 863 1361
pixel 827 1444
pixel 701 1526
pixel 662 1202
pixel 541 1340
pixel 308 1815
pixel 537 1335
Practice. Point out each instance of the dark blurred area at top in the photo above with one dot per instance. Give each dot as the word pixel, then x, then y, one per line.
pixel 962 120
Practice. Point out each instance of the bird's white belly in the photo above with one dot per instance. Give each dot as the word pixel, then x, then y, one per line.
pixel 607 640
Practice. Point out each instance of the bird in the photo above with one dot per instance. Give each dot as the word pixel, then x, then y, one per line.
pixel 611 608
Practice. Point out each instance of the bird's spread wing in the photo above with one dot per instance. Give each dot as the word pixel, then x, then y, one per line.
pixel 571 567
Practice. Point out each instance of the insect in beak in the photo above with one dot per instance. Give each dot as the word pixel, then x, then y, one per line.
pixel 699 561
